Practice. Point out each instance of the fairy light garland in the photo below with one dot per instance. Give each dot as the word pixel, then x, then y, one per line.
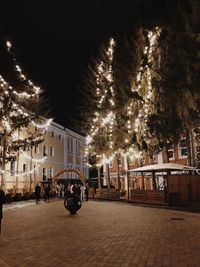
pixel 145 91
pixel 44 125
pixel 21 173
pixel 106 73
pixel 22 76
pixel 143 87
pixel 12 98
pixel 41 160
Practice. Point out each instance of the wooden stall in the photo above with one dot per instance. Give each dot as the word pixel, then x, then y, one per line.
pixel 181 184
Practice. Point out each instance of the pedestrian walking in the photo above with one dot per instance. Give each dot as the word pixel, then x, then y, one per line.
pixel 2 201
pixel 46 192
pixel 37 193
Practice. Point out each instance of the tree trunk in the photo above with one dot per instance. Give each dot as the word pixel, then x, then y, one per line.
pixel 3 159
pixel 189 147
pixel 165 154
pixel 118 174
pixel 31 180
pixel 128 177
pixel 154 181
pixel 108 175
pixel 17 176
pixel 99 177
pixel 141 164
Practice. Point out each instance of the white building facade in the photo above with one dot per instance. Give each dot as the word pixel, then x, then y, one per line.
pixel 61 149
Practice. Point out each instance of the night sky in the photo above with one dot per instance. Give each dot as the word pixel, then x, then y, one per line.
pixel 55 40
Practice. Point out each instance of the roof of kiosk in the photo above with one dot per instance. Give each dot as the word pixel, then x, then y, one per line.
pixel 163 167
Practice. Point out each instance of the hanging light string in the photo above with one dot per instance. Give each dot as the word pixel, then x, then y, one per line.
pixel 44 125
pixel 143 87
pixel 20 173
pixel 22 76
pixel 24 94
pixel 9 98
pixel 41 160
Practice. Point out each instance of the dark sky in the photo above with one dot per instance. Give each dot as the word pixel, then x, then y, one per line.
pixel 55 40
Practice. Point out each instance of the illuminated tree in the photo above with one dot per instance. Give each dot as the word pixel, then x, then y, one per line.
pixel 100 137
pixel 20 112
pixel 176 79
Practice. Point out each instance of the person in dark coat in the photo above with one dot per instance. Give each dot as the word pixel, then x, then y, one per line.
pixel 46 192
pixel 2 201
pixel 37 193
pixel 73 202
pixel 76 193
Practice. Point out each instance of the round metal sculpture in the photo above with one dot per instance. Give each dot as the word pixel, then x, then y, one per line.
pixel 72 202
pixel 72 205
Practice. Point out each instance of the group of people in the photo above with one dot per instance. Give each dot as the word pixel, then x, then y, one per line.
pixel 38 192
pixel 64 191
pixel 81 190
pixel 78 190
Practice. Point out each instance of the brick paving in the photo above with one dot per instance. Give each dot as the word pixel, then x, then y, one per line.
pixel 109 234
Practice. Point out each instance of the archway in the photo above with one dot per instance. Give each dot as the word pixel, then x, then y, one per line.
pixel 82 177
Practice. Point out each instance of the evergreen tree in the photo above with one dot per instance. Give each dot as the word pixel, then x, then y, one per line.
pixel 176 78
pixel 100 138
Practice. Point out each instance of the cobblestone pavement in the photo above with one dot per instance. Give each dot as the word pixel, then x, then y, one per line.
pixel 109 234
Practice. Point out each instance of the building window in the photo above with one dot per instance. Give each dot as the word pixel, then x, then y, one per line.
pixel 59 137
pixel 52 151
pixel 52 134
pixel 170 151
pixel 44 174
pixel 70 144
pixel 182 148
pixel 45 151
pixel 25 167
pixel 51 172
pixel 111 164
pixel 36 149
pixel 12 167
pixel 77 147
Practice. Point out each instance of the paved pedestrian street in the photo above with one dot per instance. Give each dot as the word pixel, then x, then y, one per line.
pixel 109 234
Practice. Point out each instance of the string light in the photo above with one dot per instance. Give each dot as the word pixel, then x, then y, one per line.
pixel 143 89
pixel 104 75
pixel 42 125
pixel 15 115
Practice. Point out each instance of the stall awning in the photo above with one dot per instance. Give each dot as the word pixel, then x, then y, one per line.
pixel 163 167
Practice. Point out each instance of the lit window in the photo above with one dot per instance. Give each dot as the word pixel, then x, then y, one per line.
pixel 70 144
pixel 52 151
pixel 51 172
